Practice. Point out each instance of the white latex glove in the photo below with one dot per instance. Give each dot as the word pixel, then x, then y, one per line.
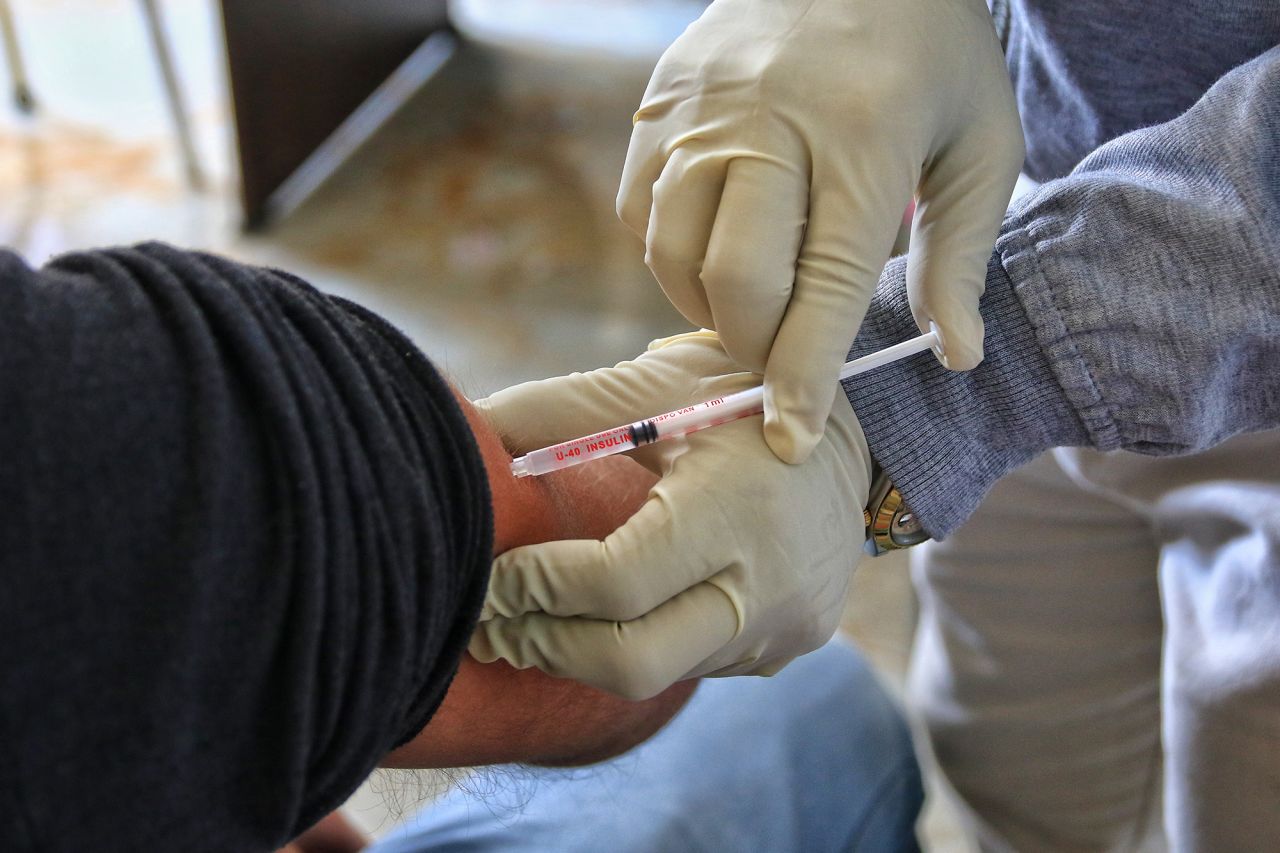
pixel 735 564
pixel 776 149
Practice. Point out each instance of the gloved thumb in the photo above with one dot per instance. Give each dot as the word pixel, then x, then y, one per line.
pixel 946 276
pixel 944 296
pixel 962 200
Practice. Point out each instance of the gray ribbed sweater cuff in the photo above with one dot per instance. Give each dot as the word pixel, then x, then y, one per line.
pixel 945 437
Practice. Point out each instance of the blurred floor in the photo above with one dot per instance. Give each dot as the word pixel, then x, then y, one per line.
pixel 480 221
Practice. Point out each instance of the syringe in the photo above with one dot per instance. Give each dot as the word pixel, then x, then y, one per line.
pixel 721 410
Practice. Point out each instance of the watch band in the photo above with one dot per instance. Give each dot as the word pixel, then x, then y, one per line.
pixel 891 525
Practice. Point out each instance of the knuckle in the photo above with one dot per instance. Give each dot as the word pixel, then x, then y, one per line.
pixel 622 205
pixel 651 259
pixel 733 271
pixel 632 209
pixel 662 250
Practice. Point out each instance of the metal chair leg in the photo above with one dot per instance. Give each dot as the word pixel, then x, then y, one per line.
pixel 173 91
pixel 23 98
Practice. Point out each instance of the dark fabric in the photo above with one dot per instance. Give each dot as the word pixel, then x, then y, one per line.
pixel 244 537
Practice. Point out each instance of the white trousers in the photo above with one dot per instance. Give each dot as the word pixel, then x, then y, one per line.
pixel 1098 654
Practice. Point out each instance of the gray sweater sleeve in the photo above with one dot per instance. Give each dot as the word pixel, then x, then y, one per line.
pixel 1134 304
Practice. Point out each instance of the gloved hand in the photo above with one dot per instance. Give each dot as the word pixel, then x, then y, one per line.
pixel 735 564
pixel 774 153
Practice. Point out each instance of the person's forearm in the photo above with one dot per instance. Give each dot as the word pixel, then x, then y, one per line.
pixel 495 713
pixel 1134 304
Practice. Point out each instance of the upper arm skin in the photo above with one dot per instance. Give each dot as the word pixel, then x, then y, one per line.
pixel 494 713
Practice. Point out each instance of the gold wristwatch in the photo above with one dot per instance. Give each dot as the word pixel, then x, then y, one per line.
pixel 891 525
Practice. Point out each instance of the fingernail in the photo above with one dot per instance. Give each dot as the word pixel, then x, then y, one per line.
pixel 938 348
pixel 960 348
pixel 961 356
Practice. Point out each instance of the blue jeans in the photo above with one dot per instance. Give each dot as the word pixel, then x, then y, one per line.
pixel 816 758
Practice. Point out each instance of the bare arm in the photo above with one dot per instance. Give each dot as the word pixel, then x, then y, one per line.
pixel 494 713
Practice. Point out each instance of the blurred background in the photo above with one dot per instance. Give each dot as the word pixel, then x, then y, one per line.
pixel 453 167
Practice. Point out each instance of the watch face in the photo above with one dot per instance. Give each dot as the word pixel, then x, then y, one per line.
pixel 905 529
pixel 891 524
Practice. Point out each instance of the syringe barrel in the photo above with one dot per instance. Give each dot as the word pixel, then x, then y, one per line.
pixel 712 412
pixel 573 452
pixel 624 438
